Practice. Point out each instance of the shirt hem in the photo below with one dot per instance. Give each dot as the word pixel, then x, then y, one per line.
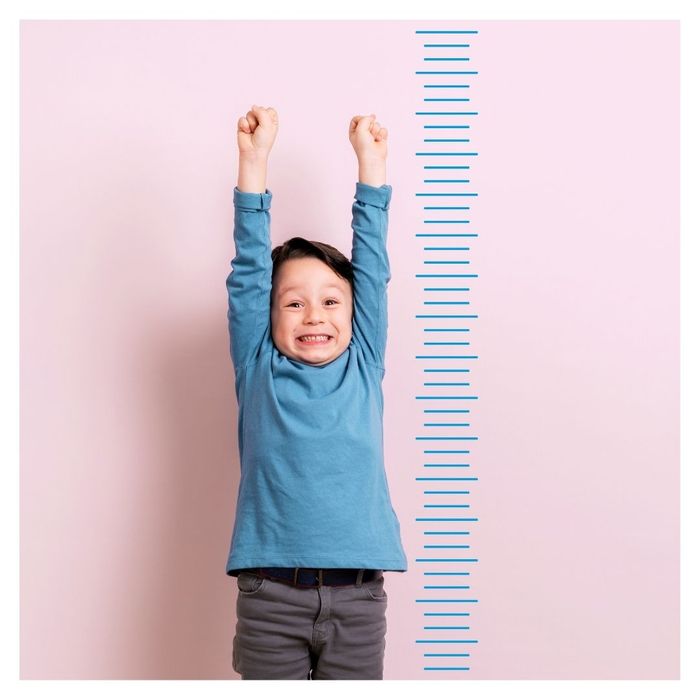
pixel 285 560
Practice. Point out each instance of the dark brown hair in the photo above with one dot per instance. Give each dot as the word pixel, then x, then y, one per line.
pixel 299 247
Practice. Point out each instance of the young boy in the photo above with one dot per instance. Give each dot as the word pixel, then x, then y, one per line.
pixel 315 528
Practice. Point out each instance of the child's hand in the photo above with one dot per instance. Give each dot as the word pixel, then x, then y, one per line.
pixel 257 131
pixel 368 138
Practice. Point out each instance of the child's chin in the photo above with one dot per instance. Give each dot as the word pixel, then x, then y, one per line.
pixel 318 355
pixel 314 354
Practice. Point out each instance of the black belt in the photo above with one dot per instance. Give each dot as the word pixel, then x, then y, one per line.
pixel 313 578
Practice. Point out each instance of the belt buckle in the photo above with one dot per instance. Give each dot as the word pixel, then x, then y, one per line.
pixel 319 576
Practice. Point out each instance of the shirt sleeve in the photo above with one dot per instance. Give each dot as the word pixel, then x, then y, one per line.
pixel 250 280
pixel 371 272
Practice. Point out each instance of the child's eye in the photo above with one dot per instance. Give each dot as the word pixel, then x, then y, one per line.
pixel 335 301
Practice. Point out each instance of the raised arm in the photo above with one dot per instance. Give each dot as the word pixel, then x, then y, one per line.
pixel 250 279
pixel 370 219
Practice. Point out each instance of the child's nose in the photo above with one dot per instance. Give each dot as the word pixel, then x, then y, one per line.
pixel 314 313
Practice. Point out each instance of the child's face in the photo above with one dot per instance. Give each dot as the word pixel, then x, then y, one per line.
pixel 309 298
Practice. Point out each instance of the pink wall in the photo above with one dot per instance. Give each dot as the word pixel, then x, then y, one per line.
pixel 128 448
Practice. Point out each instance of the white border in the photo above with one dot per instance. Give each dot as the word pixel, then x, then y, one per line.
pixel 359 9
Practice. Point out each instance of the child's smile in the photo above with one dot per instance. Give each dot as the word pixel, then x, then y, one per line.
pixel 314 339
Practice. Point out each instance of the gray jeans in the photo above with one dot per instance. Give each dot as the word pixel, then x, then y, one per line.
pixel 285 632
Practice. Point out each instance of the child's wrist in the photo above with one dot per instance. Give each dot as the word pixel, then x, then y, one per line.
pixel 372 172
pixel 371 161
pixel 253 157
pixel 252 173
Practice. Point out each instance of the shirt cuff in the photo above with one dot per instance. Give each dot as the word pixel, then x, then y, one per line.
pixel 377 196
pixel 252 200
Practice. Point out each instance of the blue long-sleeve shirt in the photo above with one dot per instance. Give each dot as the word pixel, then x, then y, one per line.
pixel 313 489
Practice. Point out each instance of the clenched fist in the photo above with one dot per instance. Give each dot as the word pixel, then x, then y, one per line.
pixel 368 138
pixel 257 131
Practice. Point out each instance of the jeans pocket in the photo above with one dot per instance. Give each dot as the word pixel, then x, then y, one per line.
pixel 375 589
pixel 250 583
